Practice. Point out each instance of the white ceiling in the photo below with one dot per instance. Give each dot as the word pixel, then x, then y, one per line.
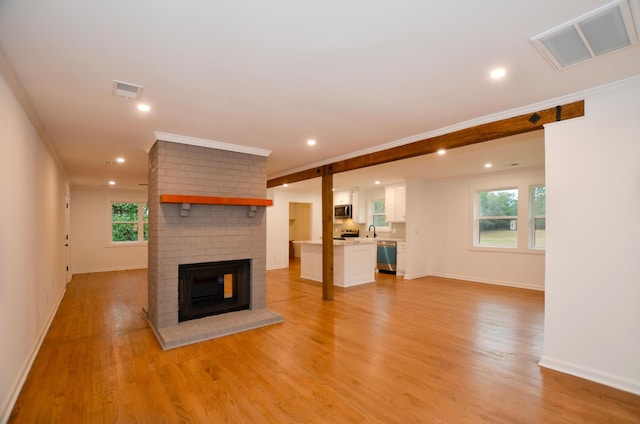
pixel 353 75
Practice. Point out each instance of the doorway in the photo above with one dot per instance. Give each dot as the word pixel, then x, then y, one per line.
pixel 299 226
pixel 67 226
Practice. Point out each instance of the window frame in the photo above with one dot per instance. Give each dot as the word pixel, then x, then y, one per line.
pixel 533 216
pixel 524 187
pixel 371 214
pixel 140 223
pixel 478 218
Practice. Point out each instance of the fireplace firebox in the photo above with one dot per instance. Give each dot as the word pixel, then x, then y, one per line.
pixel 213 288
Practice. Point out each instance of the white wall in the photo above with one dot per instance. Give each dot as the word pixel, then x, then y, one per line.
pixel 449 216
pixel 417 233
pixel 32 229
pixel 278 223
pixel 592 302
pixel 91 250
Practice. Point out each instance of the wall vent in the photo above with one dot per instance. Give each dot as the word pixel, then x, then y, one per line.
pixel 601 31
pixel 126 89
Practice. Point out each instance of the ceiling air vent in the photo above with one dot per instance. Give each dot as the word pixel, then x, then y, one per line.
pixel 126 89
pixel 601 31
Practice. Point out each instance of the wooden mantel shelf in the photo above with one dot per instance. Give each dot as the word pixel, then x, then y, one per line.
pixel 212 200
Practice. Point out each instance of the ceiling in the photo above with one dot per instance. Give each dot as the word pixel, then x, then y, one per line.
pixel 354 76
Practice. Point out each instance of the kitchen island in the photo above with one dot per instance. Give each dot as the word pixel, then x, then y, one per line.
pixel 354 261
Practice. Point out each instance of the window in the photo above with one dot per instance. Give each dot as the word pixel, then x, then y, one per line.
pixel 378 218
pixel 497 218
pixel 126 221
pixel 538 223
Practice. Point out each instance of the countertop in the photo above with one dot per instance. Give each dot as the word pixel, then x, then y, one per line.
pixel 350 241
pixel 389 239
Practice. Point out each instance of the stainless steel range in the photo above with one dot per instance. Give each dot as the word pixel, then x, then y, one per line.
pixel 348 234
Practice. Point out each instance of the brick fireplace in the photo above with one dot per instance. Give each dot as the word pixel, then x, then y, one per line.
pixel 206 206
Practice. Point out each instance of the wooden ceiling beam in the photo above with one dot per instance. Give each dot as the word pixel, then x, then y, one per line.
pixel 295 177
pixel 478 134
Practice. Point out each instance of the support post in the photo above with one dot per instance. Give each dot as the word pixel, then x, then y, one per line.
pixel 327 233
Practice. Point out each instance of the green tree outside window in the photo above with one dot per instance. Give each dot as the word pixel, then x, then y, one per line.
pixel 539 219
pixel 498 218
pixel 378 216
pixel 126 220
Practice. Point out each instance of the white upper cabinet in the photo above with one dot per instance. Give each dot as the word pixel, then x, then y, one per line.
pixel 342 197
pixel 395 203
pixel 359 207
pixel 355 206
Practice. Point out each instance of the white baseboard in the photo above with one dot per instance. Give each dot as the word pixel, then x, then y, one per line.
pixel 7 408
pixel 277 266
pixel 414 276
pixel 495 282
pixel 591 374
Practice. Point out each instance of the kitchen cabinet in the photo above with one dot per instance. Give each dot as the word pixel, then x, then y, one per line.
pixel 395 203
pixel 354 198
pixel 401 257
pixel 355 206
pixel 353 261
pixel 342 197
pixel 359 207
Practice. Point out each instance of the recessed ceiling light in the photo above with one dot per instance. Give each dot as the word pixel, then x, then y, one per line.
pixel 377 182
pixel 487 165
pixel 441 152
pixel 498 73
pixel 120 160
pixel 285 185
pixel 311 142
pixel 112 183
pixel 143 108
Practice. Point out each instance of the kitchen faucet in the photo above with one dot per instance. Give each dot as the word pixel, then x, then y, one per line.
pixel 374 230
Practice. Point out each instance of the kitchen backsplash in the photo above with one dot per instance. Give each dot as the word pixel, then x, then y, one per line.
pixel 398 229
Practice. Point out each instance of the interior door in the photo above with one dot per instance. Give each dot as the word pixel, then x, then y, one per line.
pixel 67 221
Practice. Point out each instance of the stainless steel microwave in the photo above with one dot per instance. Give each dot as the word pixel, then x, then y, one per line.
pixel 342 211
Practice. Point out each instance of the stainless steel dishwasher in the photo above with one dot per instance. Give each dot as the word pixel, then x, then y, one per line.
pixel 386 254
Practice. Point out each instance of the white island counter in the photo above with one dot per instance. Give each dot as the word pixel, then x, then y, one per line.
pixel 354 261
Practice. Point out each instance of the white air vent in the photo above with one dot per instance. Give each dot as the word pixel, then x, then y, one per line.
pixel 126 89
pixel 604 30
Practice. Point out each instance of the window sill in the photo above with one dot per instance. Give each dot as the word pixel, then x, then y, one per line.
pixel 495 249
pixel 128 244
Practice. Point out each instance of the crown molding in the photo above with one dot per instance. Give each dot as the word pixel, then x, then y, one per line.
pixel 212 144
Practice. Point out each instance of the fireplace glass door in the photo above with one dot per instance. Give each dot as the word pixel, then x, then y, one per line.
pixel 213 288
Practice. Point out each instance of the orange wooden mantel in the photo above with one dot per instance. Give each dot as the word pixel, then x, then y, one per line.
pixel 213 200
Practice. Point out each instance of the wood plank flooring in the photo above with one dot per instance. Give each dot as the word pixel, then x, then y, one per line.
pixel 429 350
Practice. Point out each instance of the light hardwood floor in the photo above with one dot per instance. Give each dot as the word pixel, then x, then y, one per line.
pixel 396 351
